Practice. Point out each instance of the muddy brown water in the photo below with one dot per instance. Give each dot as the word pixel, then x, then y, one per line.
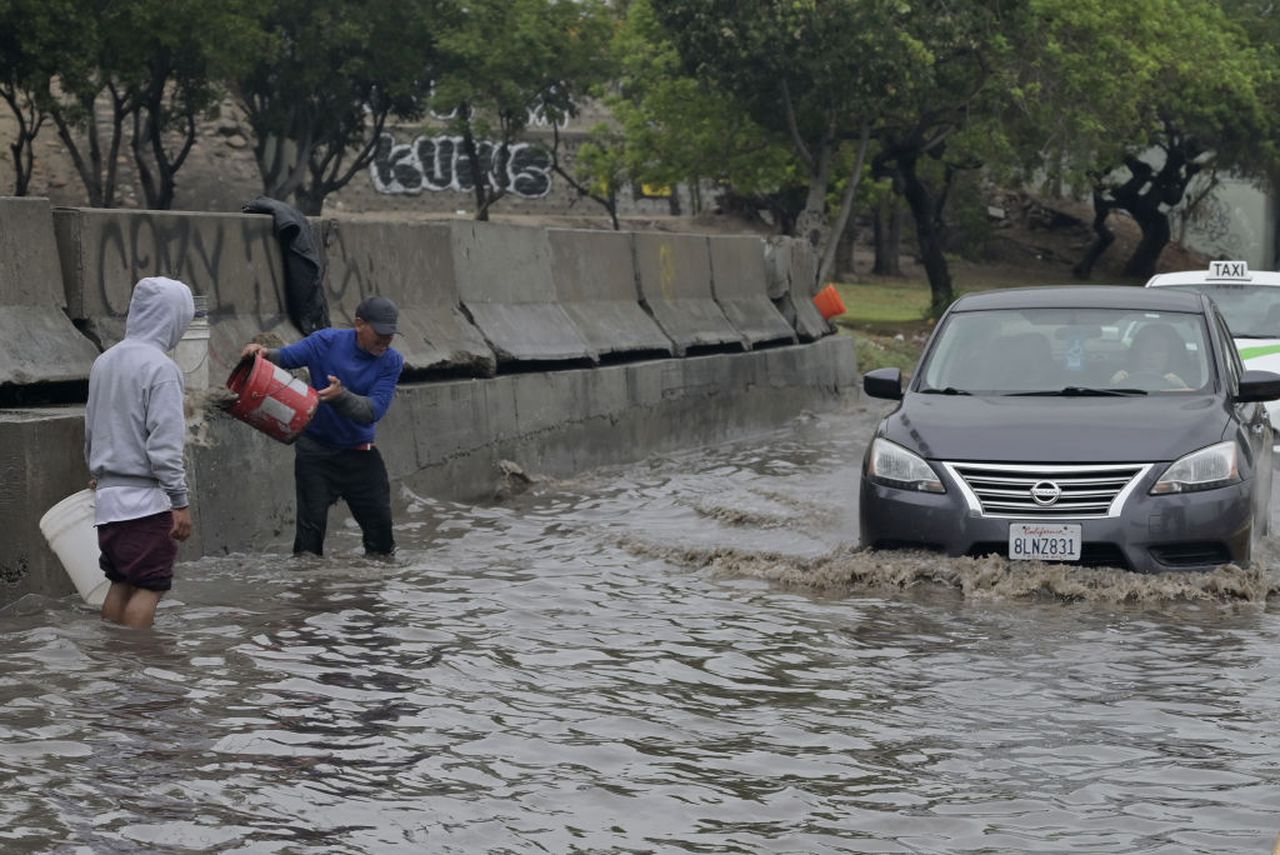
pixel 684 655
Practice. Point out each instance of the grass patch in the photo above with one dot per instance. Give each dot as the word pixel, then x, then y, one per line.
pixel 883 303
pixel 887 321
pixel 885 351
pixel 888 317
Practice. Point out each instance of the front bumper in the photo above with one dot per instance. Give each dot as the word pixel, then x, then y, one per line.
pixel 1187 531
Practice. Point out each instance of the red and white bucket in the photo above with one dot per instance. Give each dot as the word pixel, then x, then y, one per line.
pixel 271 399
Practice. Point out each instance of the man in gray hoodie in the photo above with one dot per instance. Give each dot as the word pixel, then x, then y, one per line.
pixel 134 430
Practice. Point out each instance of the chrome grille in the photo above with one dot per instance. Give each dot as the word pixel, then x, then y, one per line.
pixel 1082 491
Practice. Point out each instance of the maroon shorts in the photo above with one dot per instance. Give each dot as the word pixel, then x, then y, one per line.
pixel 139 552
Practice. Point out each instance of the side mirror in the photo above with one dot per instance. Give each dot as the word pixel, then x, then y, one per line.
pixel 1258 386
pixel 887 383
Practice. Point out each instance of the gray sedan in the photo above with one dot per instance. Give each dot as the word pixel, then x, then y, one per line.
pixel 1099 425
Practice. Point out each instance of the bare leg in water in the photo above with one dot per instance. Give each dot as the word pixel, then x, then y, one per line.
pixel 130 605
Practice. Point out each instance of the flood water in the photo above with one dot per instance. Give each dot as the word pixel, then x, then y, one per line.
pixel 683 655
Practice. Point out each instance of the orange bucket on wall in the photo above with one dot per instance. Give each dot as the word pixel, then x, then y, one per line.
pixel 829 303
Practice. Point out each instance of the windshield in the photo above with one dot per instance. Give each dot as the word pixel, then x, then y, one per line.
pixel 1251 311
pixel 1068 352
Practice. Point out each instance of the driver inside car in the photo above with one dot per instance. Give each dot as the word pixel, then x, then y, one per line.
pixel 1152 360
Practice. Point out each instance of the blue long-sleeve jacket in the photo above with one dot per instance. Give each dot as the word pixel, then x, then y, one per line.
pixel 334 351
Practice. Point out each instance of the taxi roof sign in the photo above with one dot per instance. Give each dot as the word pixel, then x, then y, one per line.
pixel 1231 270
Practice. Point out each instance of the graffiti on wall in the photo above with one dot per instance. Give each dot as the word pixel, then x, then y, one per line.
pixel 233 260
pixel 439 163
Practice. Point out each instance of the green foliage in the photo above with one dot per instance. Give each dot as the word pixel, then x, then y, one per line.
pixel 507 63
pixel 969 229
pixel 327 75
pixel 678 128
pixel 31 48
pixel 1109 79
pixel 601 162
pixel 767 97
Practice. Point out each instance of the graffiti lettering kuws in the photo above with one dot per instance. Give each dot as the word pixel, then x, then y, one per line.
pixel 440 163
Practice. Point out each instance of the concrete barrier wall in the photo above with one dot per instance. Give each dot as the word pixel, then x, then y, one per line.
pixel 504 279
pixel 38 342
pixel 675 285
pixel 412 264
pixel 740 287
pixel 41 463
pixel 791 268
pixel 476 297
pixel 233 259
pixel 527 297
pixel 595 281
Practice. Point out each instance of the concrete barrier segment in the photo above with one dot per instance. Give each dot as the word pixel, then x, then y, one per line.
pixel 411 264
pixel 42 458
pixel 792 269
pixel 234 260
pixel 39 345
pixel 504 280
pixel 38 342
pixel 674 272
pixel 740 287
pixel 595 279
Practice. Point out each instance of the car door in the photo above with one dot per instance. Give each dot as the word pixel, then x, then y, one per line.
pixel 1253 419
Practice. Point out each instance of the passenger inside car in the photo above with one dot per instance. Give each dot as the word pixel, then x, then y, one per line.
pixel 1156 360
pixel 1023 361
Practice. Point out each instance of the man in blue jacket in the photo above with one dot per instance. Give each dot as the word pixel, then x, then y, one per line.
pixel 354 372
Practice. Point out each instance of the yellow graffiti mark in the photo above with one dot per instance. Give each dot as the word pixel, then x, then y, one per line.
pixel 655 191
pixel 667 271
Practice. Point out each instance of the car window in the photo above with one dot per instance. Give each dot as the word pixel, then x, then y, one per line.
pixel 1251 311
pixel 1020 351
pixel 1234 367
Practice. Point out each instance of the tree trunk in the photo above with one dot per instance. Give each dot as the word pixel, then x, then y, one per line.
pixel 472 152
pixel 1274 208
pixel 888 238
pixel 924 210
pixel 309 200
pixel 1105 237
pixel 1155 237
pixel 836 232
pixel 844 265
pixel 23 145
pixel 150 191
pixel 87 170
pixel 157 170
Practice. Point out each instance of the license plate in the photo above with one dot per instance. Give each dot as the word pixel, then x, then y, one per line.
pixel 1044 541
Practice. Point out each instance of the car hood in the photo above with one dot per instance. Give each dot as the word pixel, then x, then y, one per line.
pixel 1048 430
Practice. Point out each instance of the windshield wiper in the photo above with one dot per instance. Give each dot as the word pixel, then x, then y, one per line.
pixel 946 390
pixel 1079 392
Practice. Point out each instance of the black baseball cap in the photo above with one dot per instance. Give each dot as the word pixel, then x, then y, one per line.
pixel 379 313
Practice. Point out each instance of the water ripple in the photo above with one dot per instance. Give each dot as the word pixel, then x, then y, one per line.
pixel 686 655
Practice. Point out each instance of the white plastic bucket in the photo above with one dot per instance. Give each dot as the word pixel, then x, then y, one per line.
pixel 68 526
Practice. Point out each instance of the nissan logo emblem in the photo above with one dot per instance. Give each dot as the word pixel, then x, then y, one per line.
pixel 1045 492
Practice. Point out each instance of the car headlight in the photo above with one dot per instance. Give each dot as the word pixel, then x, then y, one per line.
pixel 893 465
pixel 1205 469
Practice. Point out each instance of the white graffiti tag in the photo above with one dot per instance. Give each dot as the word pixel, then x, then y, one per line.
pixel 440 163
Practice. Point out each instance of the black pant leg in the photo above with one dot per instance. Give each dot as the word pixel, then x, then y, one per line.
pixel 316 483
pixel 367 492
